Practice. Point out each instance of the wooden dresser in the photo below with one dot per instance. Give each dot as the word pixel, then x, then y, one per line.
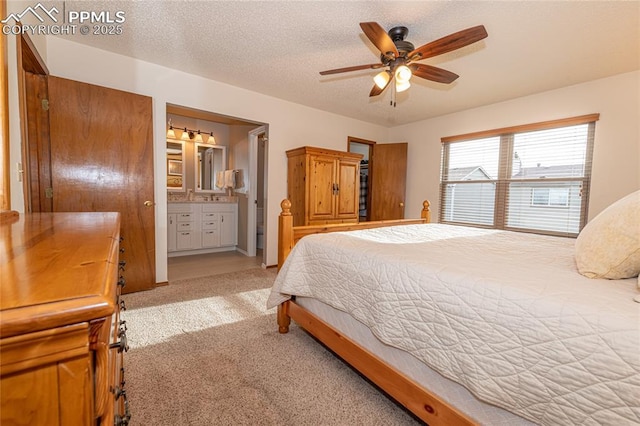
pixel 323 186
pixel 61 338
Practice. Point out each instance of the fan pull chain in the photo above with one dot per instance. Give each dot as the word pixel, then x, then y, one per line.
pixel 392 102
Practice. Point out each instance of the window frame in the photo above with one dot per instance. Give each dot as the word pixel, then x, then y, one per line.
pixel 505 165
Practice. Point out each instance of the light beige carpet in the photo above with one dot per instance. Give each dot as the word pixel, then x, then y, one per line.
pixel 205 351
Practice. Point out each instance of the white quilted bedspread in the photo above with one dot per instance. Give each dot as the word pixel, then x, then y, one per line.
pixel 505 314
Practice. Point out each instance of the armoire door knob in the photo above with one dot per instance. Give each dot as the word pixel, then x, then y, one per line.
pixel 148 203
pixel 401 204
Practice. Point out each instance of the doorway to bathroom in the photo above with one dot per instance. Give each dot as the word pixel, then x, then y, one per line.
pixel 243 144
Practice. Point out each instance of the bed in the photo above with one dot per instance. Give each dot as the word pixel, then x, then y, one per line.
pixel 472 326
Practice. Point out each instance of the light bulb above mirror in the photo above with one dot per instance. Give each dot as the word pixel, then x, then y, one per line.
pixel 186 135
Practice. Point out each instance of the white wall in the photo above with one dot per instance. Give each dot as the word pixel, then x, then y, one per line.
pixel 290 125
pixel 616 157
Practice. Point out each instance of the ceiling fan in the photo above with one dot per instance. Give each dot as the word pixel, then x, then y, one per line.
pixel 398 56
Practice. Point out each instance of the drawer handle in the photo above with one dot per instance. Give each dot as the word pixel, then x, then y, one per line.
pixel 120 392
pixel 123 420
pixel 122 344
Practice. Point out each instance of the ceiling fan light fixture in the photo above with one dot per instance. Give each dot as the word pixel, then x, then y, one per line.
pixel 403 74
pixel 402 86
pixel 396 53
pixel 382 79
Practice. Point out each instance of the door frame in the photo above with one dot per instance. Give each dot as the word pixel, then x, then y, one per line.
pixel 30 61
pixel 352 139
pixel 252 194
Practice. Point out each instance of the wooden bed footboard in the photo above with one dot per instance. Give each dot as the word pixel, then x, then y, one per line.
pixel 289 235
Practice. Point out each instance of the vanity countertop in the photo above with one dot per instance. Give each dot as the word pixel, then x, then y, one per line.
pixel 199 199
pixel 202 202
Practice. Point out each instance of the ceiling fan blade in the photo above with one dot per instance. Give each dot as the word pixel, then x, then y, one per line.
pixel 429 72
pixel 379 38
pixel 354 68
pixel 447 44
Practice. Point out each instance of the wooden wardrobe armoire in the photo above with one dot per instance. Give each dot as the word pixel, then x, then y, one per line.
pixel 323 185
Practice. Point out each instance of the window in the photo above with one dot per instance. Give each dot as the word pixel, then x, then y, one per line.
pixel 532 178
pixel 550 197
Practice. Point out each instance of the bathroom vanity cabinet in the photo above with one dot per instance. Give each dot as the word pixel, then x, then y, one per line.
pixel 201 227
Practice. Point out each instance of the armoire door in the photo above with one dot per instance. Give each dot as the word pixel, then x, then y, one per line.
pixel 388 168
pixel 348 189
pixel 102 160
pixel 322 174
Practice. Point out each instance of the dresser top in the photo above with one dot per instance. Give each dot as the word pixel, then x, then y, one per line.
pixel 57 269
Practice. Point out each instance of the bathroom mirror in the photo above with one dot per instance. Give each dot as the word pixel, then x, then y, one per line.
pixel 175 163
pixel 210 159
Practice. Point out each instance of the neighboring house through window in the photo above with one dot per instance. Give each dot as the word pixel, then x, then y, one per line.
pixel 532 178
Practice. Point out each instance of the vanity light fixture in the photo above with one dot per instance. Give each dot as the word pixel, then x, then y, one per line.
pixel 191 135
pixel 186 135
pixel 170 133
pixel 211 139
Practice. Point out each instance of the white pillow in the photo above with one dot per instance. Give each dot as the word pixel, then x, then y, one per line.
pixel 609 245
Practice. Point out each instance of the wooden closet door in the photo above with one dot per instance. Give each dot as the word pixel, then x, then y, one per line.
pixel 388 180
pixel 102 160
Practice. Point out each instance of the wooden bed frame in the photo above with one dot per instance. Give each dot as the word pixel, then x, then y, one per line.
pixel 420 401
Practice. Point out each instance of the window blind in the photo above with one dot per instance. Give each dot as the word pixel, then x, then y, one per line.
pixel 532 178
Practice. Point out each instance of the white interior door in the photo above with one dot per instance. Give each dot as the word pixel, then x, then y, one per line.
pixel 252 194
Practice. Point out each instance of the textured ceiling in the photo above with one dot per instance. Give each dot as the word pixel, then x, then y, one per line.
pixel 278 48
